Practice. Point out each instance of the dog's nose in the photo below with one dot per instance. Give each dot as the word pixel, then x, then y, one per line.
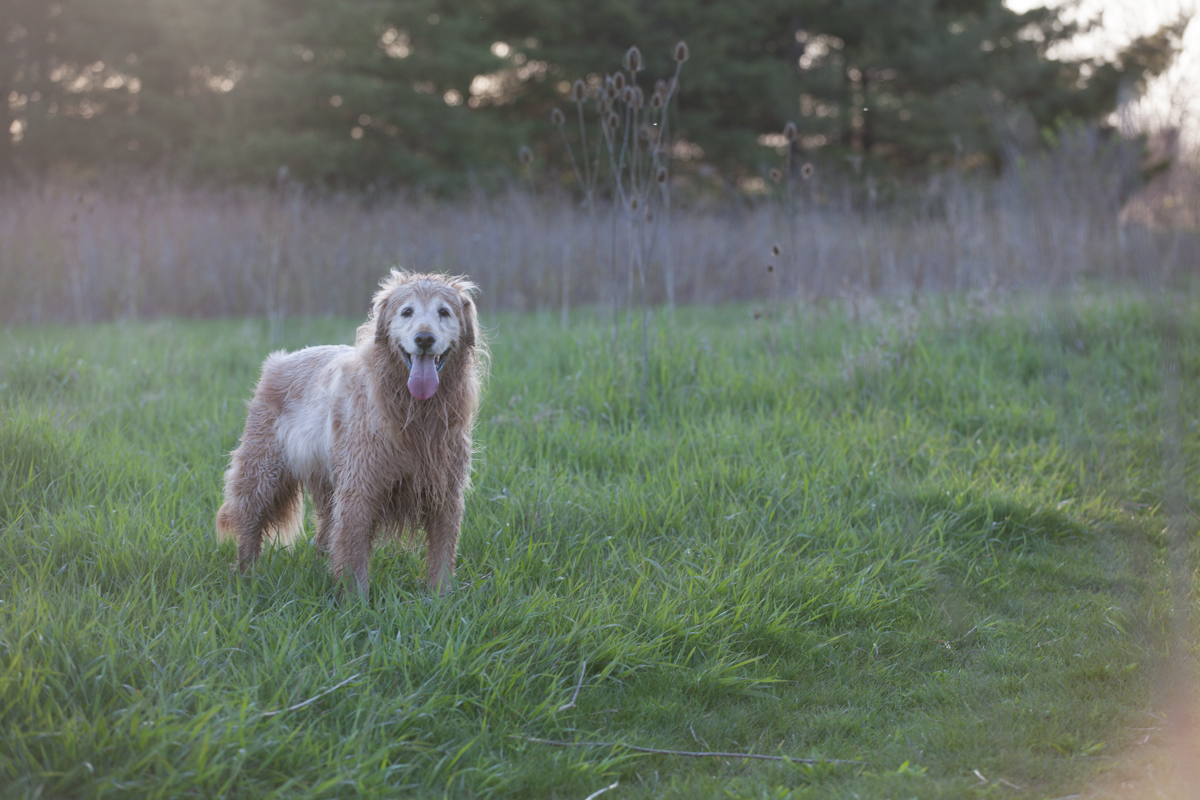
pixel 424 340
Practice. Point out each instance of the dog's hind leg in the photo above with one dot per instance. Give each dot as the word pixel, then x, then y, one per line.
pixel 260 496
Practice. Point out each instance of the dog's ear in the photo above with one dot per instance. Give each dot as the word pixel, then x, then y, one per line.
pixel 470 322
pixel 470 318
pixel 379 316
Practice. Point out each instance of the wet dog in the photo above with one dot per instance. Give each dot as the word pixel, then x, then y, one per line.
pixel 379 434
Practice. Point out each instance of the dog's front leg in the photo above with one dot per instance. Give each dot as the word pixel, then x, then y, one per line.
pixel 350 545
pixel 442 526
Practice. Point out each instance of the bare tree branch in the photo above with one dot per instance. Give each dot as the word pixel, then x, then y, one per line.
pixel 599 792
pixel 708 754
pixel 312 699
pixel 571 704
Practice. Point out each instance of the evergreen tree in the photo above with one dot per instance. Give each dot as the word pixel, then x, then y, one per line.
pixel 97 83
pixel 361 91
pixel 368 91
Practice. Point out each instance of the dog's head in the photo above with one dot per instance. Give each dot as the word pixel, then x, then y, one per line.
pixel 427 320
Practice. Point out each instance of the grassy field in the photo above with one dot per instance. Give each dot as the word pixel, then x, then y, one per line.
pixel 931 540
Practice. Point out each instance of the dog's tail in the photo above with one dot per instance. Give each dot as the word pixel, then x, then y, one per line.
pixel 225 529
pixel 282 534
pixel 291 523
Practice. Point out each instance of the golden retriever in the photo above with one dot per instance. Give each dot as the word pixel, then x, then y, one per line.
pixel 378 433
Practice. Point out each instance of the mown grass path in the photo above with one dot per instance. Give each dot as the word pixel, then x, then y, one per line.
pixel 926 539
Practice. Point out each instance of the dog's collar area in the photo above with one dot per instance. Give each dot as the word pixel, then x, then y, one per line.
pixel 438 361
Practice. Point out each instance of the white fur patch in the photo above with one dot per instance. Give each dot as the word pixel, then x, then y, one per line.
pixel 305 431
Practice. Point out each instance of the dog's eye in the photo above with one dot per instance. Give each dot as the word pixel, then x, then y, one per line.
pixel 443 312
pixel 406 312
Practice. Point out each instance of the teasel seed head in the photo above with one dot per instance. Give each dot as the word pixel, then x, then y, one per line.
pixel 633 59
pixel 776 175
pixel 656 100
pixel 807 170
pixel 681 52
pixel 634 203
pixel 613 121
pixel 790 133
pixel 525 155
pixel 579 91
pixel 627 95
pixel 557 117
pixel 775 250
pixel 661 175
pixel 619 82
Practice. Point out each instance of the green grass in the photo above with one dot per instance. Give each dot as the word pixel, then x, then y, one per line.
pixel 930 540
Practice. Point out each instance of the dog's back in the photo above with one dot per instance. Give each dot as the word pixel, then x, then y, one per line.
pixel 289 434
pixel 302 397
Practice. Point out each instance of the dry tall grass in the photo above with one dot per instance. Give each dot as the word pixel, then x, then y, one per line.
pixel 71 254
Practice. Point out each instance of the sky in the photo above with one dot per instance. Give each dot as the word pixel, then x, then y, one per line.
pixel 1174 98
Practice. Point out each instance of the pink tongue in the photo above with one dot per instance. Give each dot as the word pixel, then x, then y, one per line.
pixel 423 377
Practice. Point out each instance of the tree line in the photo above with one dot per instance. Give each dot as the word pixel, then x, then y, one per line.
pixel 439 93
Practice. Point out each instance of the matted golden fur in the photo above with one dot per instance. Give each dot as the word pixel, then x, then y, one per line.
pixel 378 433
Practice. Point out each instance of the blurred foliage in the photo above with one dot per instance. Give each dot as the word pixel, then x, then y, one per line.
pixel 385 92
